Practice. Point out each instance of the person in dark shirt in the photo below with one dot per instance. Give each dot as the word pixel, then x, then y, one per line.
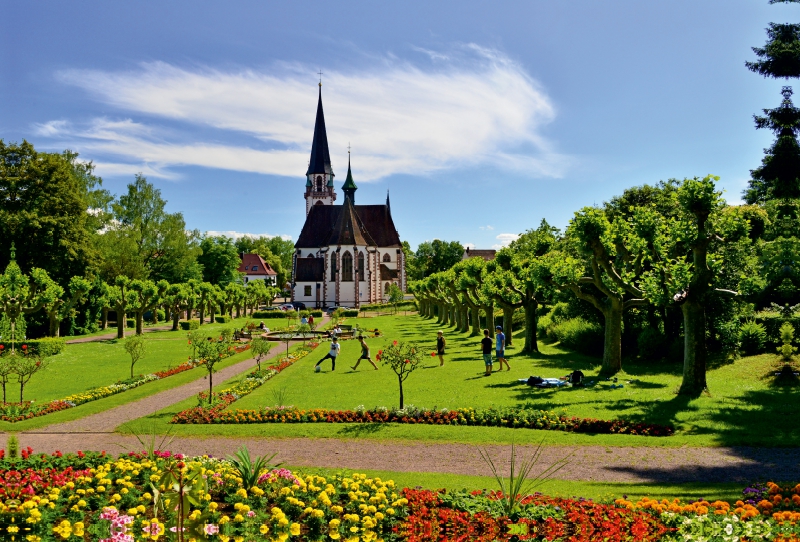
pixel 486 346
pixel 440 344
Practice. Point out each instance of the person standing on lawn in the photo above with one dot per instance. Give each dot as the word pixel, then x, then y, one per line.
pixel 440 344
pixel 364 354
pixel 486 346
pixel 334 351
pixel 500 348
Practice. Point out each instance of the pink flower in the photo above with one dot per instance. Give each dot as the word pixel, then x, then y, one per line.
pixel 210 529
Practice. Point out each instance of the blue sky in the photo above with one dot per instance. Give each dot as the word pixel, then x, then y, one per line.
pixel 481 118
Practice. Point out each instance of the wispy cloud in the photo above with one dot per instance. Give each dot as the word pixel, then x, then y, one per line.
pixel 238 234
pixel 478 108
pixel 505 240
pixel 487 228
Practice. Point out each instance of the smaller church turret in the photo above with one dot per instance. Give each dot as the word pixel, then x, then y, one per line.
pixel 349 187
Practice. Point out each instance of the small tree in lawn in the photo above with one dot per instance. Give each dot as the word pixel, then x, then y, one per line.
pixel 304 330
pixel 6 368
pixel 286 337
pixel 291 314
pixel 211 352
pixel 195 338
pixel 136 348
pixel 395 295
pixel 403 359
pixel 25 366
pixel 260 348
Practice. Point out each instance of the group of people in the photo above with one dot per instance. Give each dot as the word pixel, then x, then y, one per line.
pixel 441 343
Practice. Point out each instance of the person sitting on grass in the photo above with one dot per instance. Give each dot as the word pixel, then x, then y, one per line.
pixel 334 351
pixel 364 354
pixel 486 346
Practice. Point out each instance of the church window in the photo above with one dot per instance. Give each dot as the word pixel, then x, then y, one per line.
pixel 347 267
pixel 319 202
pixel 307 291
pixel 319 183
pixel 360 266
pixel 333 266
pixel 386 289
pixel 387 258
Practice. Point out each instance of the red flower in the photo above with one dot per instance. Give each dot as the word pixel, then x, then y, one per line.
pixel 433 354
pixel 24 346
pixel 2 347
pixel 394 343
pixel 408 361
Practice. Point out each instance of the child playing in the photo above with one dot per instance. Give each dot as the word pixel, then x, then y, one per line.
pixel 486 345
pixel 364 354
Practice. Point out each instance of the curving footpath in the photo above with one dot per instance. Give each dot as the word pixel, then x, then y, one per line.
pixel 586 463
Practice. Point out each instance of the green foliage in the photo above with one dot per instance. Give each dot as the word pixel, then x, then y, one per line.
pixel 786 350
pixel 130 322
pixel 259 348
pixel 136 347
pixel 650 343
pixel 433 257
pixel 222 319
pixel 276 314
pixel 188 325
pixel 13 447
pixel 579 335
pixel 403 359
pixel 752 338
pixel 780 56
pixel 250 469
pixel 219 260
pixel 379 307
pixel 44 347
pixel 350 313
pixel 316 313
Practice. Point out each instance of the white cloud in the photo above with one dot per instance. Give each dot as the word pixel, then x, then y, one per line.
pixel 237 234
pixel 481 108
pixel 505 240
pixel 487 227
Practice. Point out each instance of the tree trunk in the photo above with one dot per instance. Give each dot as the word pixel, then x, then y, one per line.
pixel 55 324
pixel 476 321
pixel 400 380
pixel 213 312
pixel 175 317
pixel 104 318
pixel 21 389
pixel 439 313
pixel 464 319
pixel 210 385
pixel 612 345
pixel 489 310
pixel 694 349
pixel 508 325
pixel 202 314
pixel 531 322
pixel 238 311
pixel 4 393
pixel 139 318
pixel 122 320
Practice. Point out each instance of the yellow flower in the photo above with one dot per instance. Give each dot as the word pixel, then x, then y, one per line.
pixel 294 530
pixel 264 529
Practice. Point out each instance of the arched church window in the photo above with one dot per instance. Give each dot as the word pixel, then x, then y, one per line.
pixel 360 266
pixel 319 202
pixel 387 258
pixel 347 267
pixel 319 183
pixel 386 289
pixel 333 266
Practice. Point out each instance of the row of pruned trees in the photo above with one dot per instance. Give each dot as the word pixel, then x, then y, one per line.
pixel 678 251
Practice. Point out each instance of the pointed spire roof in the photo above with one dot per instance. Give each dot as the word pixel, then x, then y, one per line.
pixel 320 155
pixel 349 230
pixel 349 185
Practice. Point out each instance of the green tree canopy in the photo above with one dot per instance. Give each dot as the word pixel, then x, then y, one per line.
pixel 220 260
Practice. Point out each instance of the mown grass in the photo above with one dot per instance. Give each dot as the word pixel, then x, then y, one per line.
pixel 743 408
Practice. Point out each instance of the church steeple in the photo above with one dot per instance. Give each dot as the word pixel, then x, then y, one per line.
pixel 319 177
pixel 349 187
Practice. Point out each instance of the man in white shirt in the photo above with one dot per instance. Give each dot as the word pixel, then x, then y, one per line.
pixel 334 351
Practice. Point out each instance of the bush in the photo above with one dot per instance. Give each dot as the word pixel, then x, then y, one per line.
pixel 46 346
pixel 188 325
pixel 350 313
pixel 161 316
pixel 222 319
pixel 579 335
pixel 263 315
pixel 130 322
pixel 650 344
pixel 385 307
pixel 304 313
pixel 542 325
pixel 752 338
pixel 772 323
pixel 316 313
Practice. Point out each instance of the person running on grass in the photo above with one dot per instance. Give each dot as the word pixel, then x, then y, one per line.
pixel 334 351
pixel 500 349
pixel 486 346
pixel 440 344
pixel 364 355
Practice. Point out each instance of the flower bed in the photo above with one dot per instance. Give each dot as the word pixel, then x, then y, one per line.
pixel 507 417
pixel 11 412
pixel 91 496
pixel 203 413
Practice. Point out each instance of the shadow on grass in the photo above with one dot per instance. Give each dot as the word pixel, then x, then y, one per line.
pixel 362 429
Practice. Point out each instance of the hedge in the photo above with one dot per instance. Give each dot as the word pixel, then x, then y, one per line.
pixel 403 305
pixel 269 314
pixel 46 346
pixel 316 313
pixel 188 325
pixel 772 324
pixel 130 322
pixel 222 319
pixel 350 313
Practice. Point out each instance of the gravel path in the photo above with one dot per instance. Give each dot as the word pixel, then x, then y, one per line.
pixel 586 463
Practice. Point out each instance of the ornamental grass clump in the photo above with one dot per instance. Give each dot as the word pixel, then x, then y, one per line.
pixel 403 359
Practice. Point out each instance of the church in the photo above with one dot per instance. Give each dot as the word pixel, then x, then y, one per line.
pixel 347 255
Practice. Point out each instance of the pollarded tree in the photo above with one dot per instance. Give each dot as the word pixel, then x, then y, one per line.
pixel 121 298
pixel 174 300
pixel 22 294
pixel 146 295
pixel 204 291
pixel 59 307
pixel 602 272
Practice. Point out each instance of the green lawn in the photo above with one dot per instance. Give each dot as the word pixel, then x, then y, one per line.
pixel 741 398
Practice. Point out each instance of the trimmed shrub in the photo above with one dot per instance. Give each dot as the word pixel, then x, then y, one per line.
pixel 350 313
pixel 752 338
pixel 383 307
pixel 222 319
pixel 650 344
pixel 188 325
pixel 46 346
pixel 161 316
pixel 772 323
pixel 542 324
pixel 304 313
pixel 130 322
pixel 316 313
pixel 262 315
pixel 579 335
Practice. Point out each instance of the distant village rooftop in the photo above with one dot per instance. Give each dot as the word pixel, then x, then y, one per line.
pixel 486 254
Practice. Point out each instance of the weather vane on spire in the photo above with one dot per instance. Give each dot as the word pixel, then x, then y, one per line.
pixel 348 147
pixel 320 77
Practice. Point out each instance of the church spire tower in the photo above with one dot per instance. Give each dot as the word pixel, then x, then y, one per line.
pixel 319 177
pixel 349 187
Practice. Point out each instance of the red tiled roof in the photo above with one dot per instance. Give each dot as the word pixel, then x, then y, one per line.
pixel 323 226
pixel 486 254
pixel 250 260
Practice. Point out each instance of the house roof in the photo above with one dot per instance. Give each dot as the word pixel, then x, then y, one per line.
pixel 250 260
pixel 486 254
pixel 309 269
pixel 374 222
pixel 348 229
pixel 387 273
pixel 320 155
